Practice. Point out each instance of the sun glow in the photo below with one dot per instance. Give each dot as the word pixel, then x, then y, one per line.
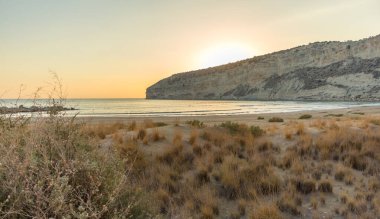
pixel 224 53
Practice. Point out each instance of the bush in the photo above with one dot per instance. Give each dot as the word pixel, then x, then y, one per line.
pixel 305 116
pixel 51 169
pixel 276 119
pixel 233 127
pixel 256 131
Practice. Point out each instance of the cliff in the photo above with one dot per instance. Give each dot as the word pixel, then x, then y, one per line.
pixel 318 71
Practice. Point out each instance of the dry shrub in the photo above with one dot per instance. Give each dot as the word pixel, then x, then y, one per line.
pixel 289 203
pixel 289 157
pixel 197 150
pixel 288 134
pixel 357 206
pixel 240 179
pixel 264 144
pixel 177 139
pixel 300 129
pixel 202 177
pixel 206 212
pixel 141 134
pixel 132 126
pixel 265 211
pixel 102 130
pixel 193 136
pixel 305 116
pixel 157 136
pixel 342 173
pixel 195 123
pixel 170 154
pixel 118 138
pixel 325 186
pixel 235 128
pixel 276 119
pixel 206 135
pixel 318 123
pixel 50 168
pixel 132 156
pixel 298 167
pixel 304 186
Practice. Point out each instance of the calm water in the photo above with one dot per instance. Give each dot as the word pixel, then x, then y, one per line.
pixel 143 107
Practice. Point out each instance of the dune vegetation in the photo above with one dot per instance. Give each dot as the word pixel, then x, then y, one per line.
pixel 320 167
pixel 57 166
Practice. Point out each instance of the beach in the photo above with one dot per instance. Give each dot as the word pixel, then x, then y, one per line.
pixel 245 118
pixel 316 163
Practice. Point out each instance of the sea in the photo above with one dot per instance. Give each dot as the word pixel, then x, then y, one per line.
pixel 177 108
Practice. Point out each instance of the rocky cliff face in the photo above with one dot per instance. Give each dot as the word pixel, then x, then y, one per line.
pixel 318 71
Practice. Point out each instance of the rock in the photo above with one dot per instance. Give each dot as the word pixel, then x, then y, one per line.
pixel 348 71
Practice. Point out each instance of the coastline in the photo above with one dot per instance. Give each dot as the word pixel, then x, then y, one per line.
pixel 244 118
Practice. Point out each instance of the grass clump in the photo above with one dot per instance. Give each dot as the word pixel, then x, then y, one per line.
pixel 256 131
pixel 334 115
pixel 325 186
pixel 233 127
pixel 242 129
pixel 305 116
pixel 276 119
pixel 195 123
pixel 266 211
pixel 305 186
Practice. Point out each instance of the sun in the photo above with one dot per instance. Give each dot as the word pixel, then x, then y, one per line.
pixel 224 53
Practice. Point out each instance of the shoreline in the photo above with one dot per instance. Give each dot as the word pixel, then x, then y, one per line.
pixel 353 111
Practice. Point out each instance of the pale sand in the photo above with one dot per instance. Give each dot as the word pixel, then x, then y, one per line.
pixel 248 119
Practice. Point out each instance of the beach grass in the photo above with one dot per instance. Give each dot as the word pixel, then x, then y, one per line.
pixel 59 166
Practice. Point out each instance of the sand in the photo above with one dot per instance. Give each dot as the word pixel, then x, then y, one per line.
pixel 248 118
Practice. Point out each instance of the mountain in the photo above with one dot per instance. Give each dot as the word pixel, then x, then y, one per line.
pixel 318 71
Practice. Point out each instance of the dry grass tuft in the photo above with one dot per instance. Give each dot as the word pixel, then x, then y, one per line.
pixel 305 116
pixel 141 134
pixel 276 119
pixel 325 186
pixel 305 186
pixel 265 211
pixel 193 136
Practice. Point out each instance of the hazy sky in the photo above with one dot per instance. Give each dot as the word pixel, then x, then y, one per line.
pixel 117 48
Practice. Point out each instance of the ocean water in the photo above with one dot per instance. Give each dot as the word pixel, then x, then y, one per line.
pixel 177 108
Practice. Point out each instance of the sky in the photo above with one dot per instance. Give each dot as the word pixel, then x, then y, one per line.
pixel 117 48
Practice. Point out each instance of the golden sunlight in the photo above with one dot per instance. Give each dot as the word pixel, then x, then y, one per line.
pixel 224 53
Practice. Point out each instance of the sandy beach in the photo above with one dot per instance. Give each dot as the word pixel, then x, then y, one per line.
pixel 249 119
pixel 324 165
